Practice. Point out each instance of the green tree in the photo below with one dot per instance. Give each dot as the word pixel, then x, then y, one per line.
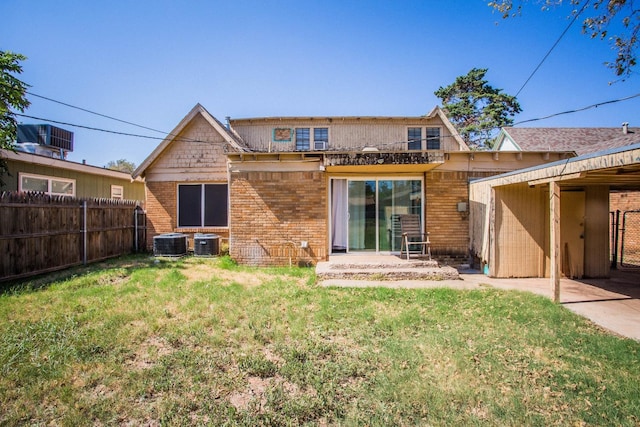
pixel 121 165
pixel 477 109
pixel 12 97
pixel 599 16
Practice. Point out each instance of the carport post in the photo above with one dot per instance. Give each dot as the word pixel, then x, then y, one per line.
pixel 554 222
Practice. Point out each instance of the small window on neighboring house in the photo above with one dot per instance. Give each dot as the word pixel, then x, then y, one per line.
pixel 414 136
pixel 203 205
pixel 320 138
pixel 433 138
pixel 117 192
pixel 46 184
pixel 302 139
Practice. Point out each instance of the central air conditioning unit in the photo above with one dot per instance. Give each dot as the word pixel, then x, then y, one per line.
pixel 206 244
pixel 320 145
pixel 170 244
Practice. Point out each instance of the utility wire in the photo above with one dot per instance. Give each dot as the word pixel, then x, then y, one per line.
pixel 584 6
pixel 95 113
pixel 579 109
pixel 384 144
pixel 100 130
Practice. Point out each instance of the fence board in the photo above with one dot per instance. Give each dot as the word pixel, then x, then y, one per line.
pixel 40 233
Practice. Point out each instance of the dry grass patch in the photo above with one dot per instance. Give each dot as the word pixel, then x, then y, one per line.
pixel 203 341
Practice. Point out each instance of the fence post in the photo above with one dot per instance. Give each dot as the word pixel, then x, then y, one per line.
pixel 616 232
pixel 84 232
pixel 135 227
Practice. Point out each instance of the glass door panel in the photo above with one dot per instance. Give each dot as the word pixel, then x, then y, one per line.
pixel 362 217
pixel 374 207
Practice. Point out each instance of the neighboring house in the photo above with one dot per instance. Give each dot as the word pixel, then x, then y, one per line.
pixel 579 140
pixel 582 141
pixel 298 189
pixel 39 165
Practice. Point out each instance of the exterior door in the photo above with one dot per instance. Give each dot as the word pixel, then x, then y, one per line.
pixel 373 208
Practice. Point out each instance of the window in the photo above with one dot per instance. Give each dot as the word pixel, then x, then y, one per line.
pixel 432 137
pixel 48 185
pixel 302 139
pixel 117 192
pixel 320 138
pixel 203 205
pixel 414 136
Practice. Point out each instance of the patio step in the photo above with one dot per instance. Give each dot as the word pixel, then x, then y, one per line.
pixel 383 268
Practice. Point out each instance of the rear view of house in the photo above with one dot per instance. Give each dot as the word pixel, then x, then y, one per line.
pixel 299 189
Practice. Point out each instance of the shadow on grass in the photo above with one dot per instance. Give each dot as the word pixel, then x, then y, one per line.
pixel 127 264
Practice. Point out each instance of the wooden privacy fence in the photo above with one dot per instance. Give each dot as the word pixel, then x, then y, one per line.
pixel 40 233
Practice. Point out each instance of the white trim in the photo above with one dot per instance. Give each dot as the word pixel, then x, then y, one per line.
pixel 49 180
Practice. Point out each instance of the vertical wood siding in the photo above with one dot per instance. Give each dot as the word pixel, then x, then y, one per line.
pixel 348 134
pixel 520 231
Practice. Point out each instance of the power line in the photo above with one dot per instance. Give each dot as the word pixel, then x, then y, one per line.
pixel 384 144
pixel 579 109
pixel 95 113
pixel 553 47
pixel 102 130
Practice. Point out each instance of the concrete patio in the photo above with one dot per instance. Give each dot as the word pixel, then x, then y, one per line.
pixel 612 303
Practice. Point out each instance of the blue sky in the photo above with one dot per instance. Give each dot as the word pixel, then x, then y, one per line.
pixel 150 62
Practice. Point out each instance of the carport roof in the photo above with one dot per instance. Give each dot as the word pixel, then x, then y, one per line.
pixel 617 167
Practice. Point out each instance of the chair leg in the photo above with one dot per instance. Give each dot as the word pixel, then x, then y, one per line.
pixel 405 244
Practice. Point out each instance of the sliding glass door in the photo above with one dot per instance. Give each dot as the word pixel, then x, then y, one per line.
pixel 371 208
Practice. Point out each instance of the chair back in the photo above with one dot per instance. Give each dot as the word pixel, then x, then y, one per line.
pixel 410 224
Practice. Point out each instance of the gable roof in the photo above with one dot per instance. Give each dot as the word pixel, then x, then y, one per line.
pixel 229 136
pixel 579 140
pixel 37 159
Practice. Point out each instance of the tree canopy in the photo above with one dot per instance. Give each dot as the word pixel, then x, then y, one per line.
pixel 121 165
pixel 476 109
pixel 598 17
pixel 12 97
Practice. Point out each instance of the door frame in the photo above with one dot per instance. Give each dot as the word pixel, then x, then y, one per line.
pixel 377 178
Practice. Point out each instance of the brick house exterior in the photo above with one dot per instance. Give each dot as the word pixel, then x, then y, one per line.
pixel 300 189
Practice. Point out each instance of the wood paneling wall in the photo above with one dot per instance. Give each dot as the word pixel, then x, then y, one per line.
pixel 519 232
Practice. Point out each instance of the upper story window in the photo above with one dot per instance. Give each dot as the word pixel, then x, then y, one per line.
pixel 305 143
pixel 414 136
pixel 53 186
pixel 320 138
pixel 431 141
pixel 302 139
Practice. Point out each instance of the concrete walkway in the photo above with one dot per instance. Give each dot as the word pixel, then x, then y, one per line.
pixel 613 303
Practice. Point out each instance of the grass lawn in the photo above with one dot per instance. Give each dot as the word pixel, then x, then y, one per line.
pixel 139 341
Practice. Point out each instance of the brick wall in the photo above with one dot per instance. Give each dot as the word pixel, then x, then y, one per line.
pixel 624 201
pixel 162 211
pixel 448 228
pixel 273 212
